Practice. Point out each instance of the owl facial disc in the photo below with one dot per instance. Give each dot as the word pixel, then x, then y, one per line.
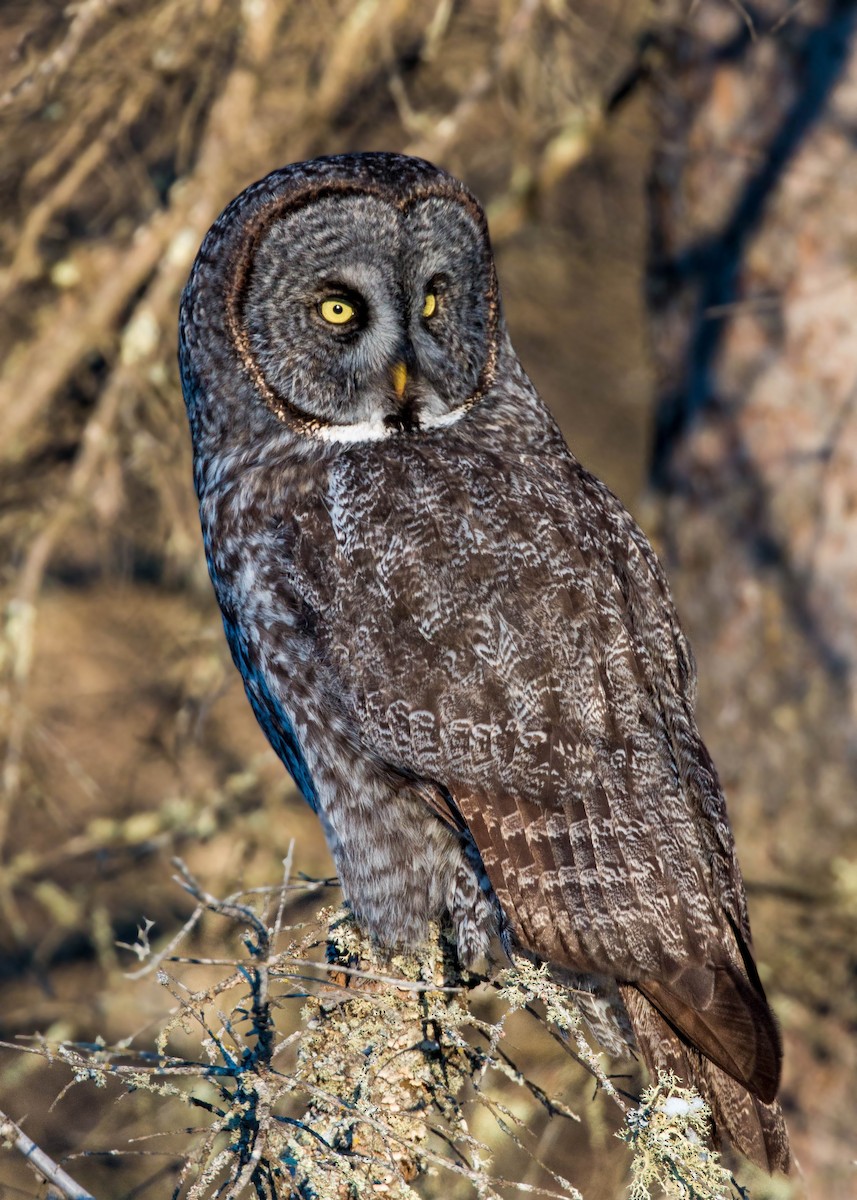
pixel 360 313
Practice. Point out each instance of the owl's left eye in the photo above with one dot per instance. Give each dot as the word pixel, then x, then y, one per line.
pixel 429 304
pixel 336 310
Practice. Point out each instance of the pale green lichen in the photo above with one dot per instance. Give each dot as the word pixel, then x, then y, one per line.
pixel 383 1065
pixel 670 1134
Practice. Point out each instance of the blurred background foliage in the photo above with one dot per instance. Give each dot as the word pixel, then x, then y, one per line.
pixel 670 190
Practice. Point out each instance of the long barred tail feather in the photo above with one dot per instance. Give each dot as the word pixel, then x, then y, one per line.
pixel 755 1128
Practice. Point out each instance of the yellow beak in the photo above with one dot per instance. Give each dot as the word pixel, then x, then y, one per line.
pixel 400 378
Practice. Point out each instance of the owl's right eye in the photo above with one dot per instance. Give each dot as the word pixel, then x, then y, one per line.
pixel 336 310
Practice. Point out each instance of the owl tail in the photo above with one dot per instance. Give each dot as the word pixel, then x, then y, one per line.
pixel 754 1128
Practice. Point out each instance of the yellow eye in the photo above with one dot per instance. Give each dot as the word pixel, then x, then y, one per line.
pixel 337 311
pixel 429 304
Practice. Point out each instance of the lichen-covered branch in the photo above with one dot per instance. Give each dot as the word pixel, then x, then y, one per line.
pixel 386 1083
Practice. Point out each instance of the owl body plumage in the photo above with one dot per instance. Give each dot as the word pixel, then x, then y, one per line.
pixel 457 640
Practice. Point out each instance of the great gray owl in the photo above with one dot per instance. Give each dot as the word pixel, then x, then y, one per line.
pixel 456 639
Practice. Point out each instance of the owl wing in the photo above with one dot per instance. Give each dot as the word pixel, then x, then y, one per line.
pixel 512 643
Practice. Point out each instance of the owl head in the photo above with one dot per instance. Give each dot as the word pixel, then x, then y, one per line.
pixel 349 298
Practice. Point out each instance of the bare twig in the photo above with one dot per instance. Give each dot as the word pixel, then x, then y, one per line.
pixel 13 1135
pixel 85 18
pixel 27 263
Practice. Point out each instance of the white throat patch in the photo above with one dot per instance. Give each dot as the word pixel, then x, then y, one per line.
pixel 379 430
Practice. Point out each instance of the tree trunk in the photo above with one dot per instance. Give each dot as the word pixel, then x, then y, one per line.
pixel 752 294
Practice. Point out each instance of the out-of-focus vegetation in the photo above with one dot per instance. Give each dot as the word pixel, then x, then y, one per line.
pixel 672 174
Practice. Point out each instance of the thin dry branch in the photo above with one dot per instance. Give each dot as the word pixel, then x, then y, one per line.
pixel 86 17
pixel 89 158
pixel 13 1135
pixel 82 324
